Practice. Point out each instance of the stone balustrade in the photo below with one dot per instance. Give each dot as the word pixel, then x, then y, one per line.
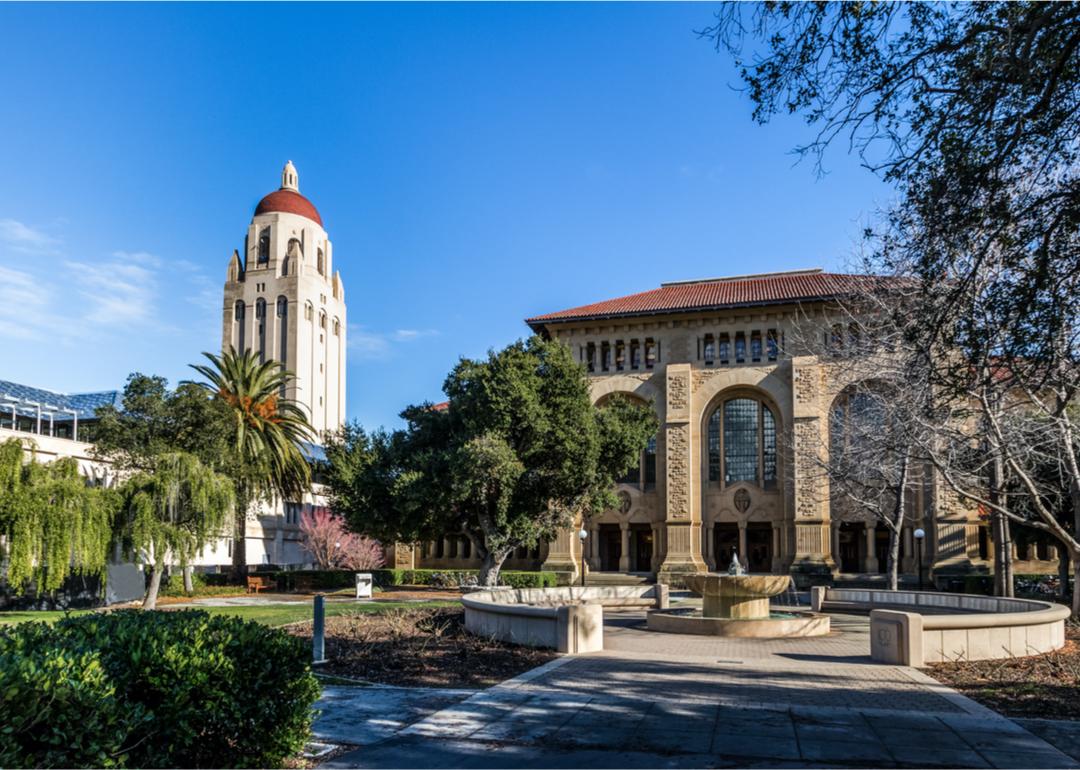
pixel 567 619
pixel 914 628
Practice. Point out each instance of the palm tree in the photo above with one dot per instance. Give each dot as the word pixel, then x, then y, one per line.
pixel 268 432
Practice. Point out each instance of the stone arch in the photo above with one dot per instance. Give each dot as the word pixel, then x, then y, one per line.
pixel 630 386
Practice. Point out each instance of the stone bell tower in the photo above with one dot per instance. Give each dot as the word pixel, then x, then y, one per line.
pixel 284 300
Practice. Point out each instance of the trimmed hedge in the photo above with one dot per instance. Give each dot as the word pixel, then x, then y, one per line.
pixel 152 689
pixel 204 585
pixel 427 577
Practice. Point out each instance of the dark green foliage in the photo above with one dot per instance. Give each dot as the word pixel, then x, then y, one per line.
pixel 427 577
pixel 324 580
pixel 152 689
pixel 520 453
pixel 204 585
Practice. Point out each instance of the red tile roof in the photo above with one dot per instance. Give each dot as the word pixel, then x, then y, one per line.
pixel 442 406
pixel 289 202
pixel 715 294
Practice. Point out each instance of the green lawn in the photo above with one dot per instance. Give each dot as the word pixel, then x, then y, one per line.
pixel 49 616
pixel 270 615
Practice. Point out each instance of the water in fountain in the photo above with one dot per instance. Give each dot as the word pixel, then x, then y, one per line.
pixel 790 597
pixel 735 568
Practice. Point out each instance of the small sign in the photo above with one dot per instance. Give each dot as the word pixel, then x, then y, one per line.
pixel 363 585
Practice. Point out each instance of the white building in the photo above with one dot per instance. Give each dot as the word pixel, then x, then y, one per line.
pixel 282 299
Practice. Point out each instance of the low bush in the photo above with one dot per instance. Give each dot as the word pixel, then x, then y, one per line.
pixel 204 585
pixel 443 577
pixel 152 689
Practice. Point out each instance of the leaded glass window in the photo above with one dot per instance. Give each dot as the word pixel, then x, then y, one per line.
pixel 741 443
pixel 740 440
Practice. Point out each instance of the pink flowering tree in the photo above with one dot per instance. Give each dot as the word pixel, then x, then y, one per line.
pixel 333 546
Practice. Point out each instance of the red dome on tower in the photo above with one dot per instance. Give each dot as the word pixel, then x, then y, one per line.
pixel 288 199
pixel 288 202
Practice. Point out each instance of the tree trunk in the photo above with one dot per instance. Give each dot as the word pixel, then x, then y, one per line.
pixel 490 566
pixel 1076 586
pixel 894 559
pixel 189 587
pixel 239 551
pixel 1064 571
pixel 150 600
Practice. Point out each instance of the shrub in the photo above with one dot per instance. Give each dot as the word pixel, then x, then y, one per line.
pixel 428 577
pixel 204 585
pixel 153 689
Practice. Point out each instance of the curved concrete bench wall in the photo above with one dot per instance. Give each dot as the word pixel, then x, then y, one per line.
pixel 566 619
pixel 914 628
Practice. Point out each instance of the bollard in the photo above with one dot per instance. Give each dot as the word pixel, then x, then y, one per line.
pixel 318 636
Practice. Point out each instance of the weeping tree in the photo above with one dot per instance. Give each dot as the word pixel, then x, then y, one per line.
pixel 54 524
pixel 266 435
pixel 173 512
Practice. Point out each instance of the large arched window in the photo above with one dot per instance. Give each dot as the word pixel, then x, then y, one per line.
pixel 238 319
pixel 742 443
pixel 264 246
pixel 857 423
pixel 319 263
pixel 260 321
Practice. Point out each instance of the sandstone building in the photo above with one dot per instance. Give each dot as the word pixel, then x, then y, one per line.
pixel 732 468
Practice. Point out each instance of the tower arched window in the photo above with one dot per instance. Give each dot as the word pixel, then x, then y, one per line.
pixel 337 327
pixel 320 263
pixel 322 320
pixel 238 320
pixel 741 435
pixel 309 312
pixel 283 333
pixel 264 246
pixel 260 321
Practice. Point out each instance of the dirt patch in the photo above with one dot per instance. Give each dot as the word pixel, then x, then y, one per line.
pixel 419 648
pixel 410 593
pixel 1045 686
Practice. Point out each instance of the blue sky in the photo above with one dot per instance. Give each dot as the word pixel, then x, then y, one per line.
pixel 473 164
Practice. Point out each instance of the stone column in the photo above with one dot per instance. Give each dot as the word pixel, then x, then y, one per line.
pixel 561 556
pixel 624 551
pixel 777 555
pixel 682 498
pixel 710 545
pixel 870 564
pixel 403 556
pixel 907 563
pixel 742 543
pixel 835 532
pixel 812 561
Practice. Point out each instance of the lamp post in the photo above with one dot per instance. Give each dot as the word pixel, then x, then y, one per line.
pixel 920 535
pixel 582 536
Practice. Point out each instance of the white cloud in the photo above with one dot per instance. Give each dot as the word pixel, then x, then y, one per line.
pixel 118 292
pixel 23 238
pixel 138 257
pixel 367 344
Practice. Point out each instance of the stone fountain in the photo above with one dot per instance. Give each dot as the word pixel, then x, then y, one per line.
pixel 737 604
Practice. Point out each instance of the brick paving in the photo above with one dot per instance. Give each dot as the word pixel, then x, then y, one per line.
pixel 667 700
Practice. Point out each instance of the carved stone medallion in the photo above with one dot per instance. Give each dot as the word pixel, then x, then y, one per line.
pixel 742 500
pixel 624 502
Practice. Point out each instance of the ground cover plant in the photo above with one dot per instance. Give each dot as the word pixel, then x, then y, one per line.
pixel 419 647
pixel 152 689
pixel 1041 686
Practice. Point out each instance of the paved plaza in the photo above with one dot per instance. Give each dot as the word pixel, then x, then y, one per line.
pixel 667 700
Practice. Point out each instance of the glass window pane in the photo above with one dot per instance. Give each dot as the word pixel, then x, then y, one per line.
pixel 714 446
pixel 768 442
pixel 740 440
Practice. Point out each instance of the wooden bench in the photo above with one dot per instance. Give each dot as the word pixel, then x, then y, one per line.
pixel 256 584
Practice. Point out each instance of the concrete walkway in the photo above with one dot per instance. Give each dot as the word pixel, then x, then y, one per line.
pixel 665 700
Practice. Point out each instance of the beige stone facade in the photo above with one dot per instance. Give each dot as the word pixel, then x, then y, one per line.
pixel 284 300
pixel 734 465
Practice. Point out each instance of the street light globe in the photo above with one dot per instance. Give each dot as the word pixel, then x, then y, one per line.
pixel 582 533
pixel 919 533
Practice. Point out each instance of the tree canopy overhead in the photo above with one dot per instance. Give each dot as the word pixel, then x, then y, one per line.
pixel 519 452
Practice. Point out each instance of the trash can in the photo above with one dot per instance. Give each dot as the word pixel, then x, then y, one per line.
pixel 363 585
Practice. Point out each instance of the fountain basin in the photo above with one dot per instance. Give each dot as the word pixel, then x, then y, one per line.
pixel 737 597
pixel 788 624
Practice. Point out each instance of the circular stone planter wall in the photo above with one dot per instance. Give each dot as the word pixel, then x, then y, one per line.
pixel 802 624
